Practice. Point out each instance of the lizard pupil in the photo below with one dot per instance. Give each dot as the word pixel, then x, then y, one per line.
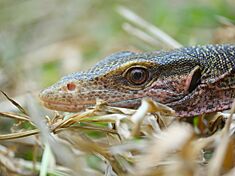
pixel 137 76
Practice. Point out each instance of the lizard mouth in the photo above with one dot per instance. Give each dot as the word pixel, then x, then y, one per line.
pixel 71 107
pixel 64 107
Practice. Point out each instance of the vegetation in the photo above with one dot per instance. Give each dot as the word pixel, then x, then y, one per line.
pixel 42 40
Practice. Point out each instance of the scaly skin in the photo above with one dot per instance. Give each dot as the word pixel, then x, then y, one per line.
pixel 192 81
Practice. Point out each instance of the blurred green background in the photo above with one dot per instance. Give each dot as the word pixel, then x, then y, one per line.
pixel 42 40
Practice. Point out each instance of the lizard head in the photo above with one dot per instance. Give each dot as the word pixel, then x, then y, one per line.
pixel 123 79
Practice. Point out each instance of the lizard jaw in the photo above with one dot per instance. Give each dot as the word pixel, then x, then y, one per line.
pixel 71 107
pixel 63 107
pixel 84 104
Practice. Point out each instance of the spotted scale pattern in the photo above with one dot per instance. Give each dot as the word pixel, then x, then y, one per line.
pixel 170 76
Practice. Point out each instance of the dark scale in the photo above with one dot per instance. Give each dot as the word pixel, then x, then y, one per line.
pixel 191 80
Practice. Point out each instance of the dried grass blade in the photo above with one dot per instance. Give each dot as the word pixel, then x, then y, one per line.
pixel 153 30
pixel 18 135
pixel 86 145
pixel 92 128
pixel 217 163
pixel 14 116
pixel 15 103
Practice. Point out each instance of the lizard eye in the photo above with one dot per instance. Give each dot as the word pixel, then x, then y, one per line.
pixel 137 75
pixel 71 86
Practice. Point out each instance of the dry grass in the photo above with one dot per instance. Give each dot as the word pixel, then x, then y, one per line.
pixel 107 140
pixel 146 141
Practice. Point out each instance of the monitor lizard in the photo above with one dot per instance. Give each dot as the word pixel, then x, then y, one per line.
pixel 191 80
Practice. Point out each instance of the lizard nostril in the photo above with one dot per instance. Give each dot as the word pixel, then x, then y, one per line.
pixel 71 86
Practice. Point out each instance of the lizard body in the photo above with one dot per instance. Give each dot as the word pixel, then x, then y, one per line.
pixel 191 80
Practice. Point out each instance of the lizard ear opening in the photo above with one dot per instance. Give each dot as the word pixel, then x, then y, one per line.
pixel 194 79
